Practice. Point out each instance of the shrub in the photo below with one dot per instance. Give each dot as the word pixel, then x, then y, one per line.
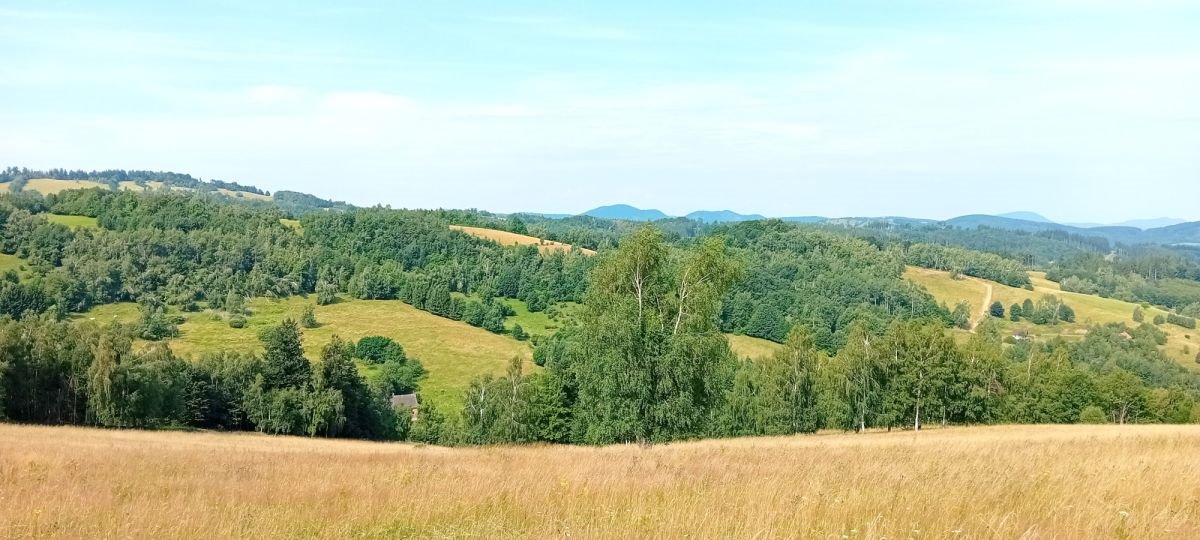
pixel 237 321
pixel 997 310
pixel 518 333
pixel 1138 316
pixel 309 318
pixel 1159 319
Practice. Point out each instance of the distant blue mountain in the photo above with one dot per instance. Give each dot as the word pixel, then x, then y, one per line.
pixel 625 212
pixel 1151 223
pixel 721 216
pixel 1027 216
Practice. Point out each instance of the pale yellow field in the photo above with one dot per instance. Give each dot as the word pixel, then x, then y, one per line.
pixel 452 352
pixel 514 239
pixel 999 482
pixel 1089 309
pixel 47 186
pixel 243 195
pixel 752 347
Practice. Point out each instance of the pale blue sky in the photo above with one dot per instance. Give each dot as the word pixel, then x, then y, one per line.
pixel 1082 110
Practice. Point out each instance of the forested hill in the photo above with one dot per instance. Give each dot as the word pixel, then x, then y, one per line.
pixel 16 180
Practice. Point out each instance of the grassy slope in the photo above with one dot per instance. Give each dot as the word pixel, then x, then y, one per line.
pixel 46 186
pixel 294 224
pixel 985 482
pixel 453 352
pixel 12 262
pixel 510 239
pixel 1089 309
pixel 74 222
pixel 752 347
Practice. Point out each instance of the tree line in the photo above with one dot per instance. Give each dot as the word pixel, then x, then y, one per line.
pixel 647 362
pixel 59 372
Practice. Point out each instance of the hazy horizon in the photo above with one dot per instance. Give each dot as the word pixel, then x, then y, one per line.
pixel 1079 111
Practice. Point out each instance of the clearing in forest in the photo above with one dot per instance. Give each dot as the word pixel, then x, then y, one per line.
pixel 752 347
pixel 513 239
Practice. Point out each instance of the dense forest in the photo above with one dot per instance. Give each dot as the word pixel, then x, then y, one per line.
pixel 645 357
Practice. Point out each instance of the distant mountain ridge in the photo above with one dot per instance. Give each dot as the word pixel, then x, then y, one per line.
pixel 1175 231
pixel 625 212
pixel 722 216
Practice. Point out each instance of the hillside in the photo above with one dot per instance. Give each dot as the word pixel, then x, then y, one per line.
pixel 452 352
pixel 1182 343
pixel 513 239
pixel 1005 482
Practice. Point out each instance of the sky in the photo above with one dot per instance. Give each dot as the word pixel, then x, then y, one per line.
pixel 1080 110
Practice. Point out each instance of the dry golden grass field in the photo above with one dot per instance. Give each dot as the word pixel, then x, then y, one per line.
pixel 998 482
pixel 513 239
pixel 1182 343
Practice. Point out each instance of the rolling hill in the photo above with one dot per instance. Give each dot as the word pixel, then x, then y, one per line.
pixel 452 352
pixel 1181 233
pixel 1182 343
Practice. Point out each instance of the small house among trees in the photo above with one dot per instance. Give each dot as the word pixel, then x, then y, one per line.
pixel 407 402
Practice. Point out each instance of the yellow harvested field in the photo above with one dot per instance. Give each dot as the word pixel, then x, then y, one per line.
pixel 47 186
pixel 1063 482
pixel 1089 309
pixel 452 352
pixel 752 347
pixel 513 239
pixel 243 195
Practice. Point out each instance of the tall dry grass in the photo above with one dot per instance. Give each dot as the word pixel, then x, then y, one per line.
pixel 1002 482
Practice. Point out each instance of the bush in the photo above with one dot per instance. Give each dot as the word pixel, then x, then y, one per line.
pixel 518 333
pixel 1159 319
pixel 309 318
pixel 997 310
pixel 1092 415
pixel 1138 315
pixel 237 321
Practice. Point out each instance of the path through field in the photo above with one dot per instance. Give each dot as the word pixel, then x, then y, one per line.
pixel 987 302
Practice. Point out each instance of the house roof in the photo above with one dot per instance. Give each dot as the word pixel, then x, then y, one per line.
pixel 408 401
